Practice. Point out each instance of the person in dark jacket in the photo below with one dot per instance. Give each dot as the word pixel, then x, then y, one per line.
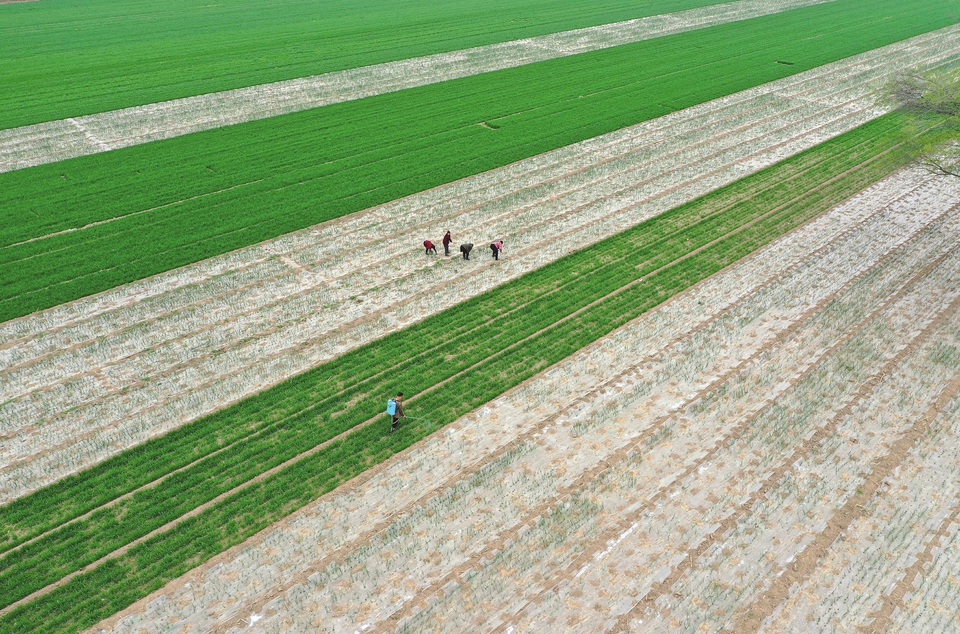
pixel 465 249
pixel 398 413
pixel 496 248
pixel 447 239
pixel 429 246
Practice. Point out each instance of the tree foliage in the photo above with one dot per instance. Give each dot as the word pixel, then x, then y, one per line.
pixel 926 96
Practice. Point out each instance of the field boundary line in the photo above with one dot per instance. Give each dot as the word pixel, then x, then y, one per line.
pixel 15 464
pixel 369 473
pixel 871 59
pixel 505 214
pixel 704 324
pixel 260 477
pixel 744 97
pixel 319 447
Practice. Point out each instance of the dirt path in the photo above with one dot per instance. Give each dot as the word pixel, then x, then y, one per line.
pixel 59 140
pixel 621 488
pixel 93 377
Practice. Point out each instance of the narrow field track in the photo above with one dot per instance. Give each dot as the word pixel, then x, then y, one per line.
pixel 626 486
pixel 105 373
pixel 52 141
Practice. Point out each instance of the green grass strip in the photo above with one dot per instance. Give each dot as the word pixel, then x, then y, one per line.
pixel 243 184
pixel 64 58
pixel 512 346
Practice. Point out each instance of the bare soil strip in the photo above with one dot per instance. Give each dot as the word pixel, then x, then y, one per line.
pixel 102 374
pixel 682 406
pixel 626 521
pixel 59 140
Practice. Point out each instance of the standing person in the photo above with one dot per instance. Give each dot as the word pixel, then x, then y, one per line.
pixel 465 249
pixel 395 409
pixel 429 246
pixel 496 248
pixel 447 239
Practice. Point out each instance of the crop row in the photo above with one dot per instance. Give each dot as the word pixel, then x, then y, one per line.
pixel 119 54
pixel 607 285
pixel 454 333
pixel 103 419
pixel 663 359
pixel 177 201
pixel 674 375
pixel 107 420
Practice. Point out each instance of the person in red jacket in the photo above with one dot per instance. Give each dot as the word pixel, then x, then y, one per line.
pixel 429 246
pixel 447 239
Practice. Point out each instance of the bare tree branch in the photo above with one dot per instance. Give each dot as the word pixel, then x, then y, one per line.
pixel 935 93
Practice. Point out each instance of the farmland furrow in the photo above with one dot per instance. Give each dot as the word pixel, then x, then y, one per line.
pixel 886 464
pixel 59 140
pixel 933 596
pixel 253 376
pixel 327 162
pixel 354 515
pixel 585 571
pixel 776 517
pixel 284 422
pixel 134 524
pixel 810 492
pixel 867 572
pixel 250 358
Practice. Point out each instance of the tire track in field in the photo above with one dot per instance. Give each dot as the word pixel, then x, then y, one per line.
pixel 327 559
pixel 275 355
pixel 53 141
pixel 752 616
pixel 718 444
pixel 795 233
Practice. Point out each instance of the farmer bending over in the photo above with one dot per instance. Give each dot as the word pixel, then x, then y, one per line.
pixel 496 248
pixel 429 246
pixel 465 249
